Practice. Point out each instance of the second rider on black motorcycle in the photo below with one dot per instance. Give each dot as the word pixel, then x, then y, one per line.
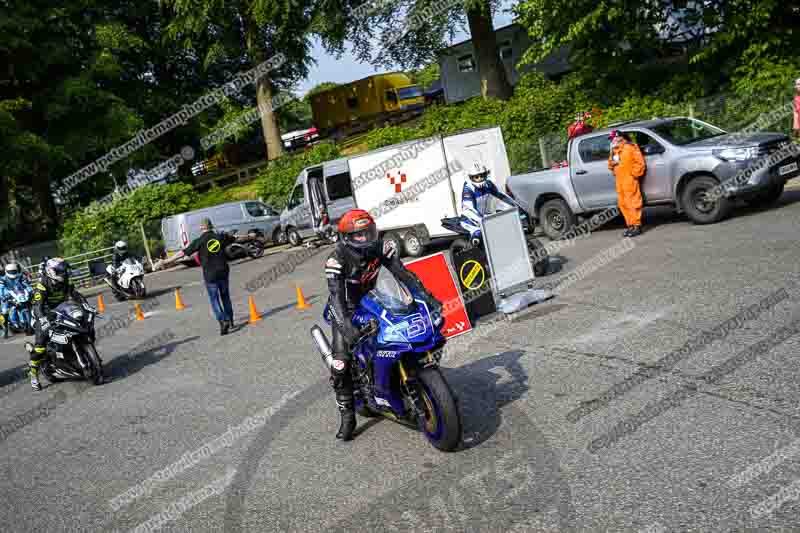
pixel 53 290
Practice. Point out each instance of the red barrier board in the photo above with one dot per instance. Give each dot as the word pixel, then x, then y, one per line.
pixel 435 274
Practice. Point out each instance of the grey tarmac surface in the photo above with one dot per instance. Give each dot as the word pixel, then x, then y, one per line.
pixel 72 448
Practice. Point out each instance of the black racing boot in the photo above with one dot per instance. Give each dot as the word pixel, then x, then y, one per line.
pixel 223 327
pixel 348 420
pixel 5 327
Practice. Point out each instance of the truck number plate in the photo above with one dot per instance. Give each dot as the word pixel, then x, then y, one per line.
pixel 785 169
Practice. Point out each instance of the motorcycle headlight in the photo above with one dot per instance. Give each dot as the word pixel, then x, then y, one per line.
pixel 737 154
pixel 77 315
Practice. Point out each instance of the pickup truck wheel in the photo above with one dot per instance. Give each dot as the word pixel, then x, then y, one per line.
pixel 557 218
pixel 766 198
pixel 699 209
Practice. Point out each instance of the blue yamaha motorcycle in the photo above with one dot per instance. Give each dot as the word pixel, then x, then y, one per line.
pixel 396 362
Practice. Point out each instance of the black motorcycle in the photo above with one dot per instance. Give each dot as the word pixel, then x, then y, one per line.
pixel 536 250
pixel 70 347
pixel 253 247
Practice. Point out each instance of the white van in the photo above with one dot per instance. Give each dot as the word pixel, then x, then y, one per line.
pixel 433 170
pixel 243 217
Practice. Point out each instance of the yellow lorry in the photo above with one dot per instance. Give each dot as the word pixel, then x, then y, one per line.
pixel 374 100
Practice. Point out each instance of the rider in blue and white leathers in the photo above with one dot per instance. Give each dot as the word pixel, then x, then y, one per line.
pixel 14 281
pixel 475 197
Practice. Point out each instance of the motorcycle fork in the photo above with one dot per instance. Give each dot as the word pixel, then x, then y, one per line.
pixel 408 383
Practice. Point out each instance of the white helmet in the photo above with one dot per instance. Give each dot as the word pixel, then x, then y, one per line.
pixel 12 271
pixel 121 247
pixel 479 175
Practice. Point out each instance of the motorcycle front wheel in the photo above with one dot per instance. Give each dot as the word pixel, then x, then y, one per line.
pixel 441 421
pixel 95 371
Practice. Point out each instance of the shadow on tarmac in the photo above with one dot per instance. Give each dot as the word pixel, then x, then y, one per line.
pixel 131 363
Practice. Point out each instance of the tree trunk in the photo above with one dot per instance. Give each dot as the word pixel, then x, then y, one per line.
pixel 44 198
pixel 269 121
pixel 494 82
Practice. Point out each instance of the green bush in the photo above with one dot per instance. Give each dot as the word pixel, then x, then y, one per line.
pixel 389 135
pixel 100 225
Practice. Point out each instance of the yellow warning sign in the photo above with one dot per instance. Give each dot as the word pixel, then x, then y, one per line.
pixel 472 273
pixel 213 246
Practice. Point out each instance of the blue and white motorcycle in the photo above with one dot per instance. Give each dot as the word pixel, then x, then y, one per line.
pixel 17 310
pixel 396 362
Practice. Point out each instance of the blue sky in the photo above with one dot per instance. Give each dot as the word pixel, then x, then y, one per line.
pixel 348 69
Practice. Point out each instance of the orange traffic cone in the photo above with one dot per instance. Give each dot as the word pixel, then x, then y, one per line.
pixel 254 316
pixel 101 305
pixel 178 302
pixel 139 314
pixel 301 301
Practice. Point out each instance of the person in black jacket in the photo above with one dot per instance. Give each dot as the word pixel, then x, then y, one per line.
pixel 211 248
pixel 53 290
pixel 352 271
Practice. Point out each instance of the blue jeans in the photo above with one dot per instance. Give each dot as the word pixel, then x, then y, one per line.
pixel 218 290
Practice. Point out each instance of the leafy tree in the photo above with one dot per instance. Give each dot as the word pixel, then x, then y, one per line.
pixel 425 76
pixel 247 33
pixel 425 28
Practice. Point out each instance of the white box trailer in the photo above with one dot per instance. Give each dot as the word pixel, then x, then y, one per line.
pixel 409 187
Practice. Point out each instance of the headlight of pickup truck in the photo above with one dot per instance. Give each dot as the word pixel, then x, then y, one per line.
pixel 737 154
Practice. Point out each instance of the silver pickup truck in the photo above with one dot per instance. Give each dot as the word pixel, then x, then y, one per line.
pixel 697 167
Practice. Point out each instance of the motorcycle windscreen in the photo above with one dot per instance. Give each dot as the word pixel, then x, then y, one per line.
pixel 391 294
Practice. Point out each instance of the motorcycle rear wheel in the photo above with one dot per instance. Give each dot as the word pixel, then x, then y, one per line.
pixel 138 288
pixel 441 422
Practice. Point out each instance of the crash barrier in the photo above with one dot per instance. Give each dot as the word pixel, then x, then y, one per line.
pixel 86 268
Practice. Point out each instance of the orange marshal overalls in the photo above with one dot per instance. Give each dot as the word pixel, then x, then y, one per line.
pixel 629 170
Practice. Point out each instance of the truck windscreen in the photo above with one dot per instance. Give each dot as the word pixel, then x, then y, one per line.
pixel 684 131
pixel 407 93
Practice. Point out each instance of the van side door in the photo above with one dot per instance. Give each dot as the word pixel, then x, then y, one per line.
pixel 299 214
pixel 338 189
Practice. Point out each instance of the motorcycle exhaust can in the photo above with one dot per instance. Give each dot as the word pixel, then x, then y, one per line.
pixel 323 345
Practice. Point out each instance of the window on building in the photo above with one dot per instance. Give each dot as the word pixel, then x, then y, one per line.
pixel 466 63
pixel 338 186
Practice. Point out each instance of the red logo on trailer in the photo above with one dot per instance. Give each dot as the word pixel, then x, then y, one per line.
pixel 397 186
pixel 435 274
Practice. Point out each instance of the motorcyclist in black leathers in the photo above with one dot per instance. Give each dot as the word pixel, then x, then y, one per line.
pixel 53 290
pixel 352 271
